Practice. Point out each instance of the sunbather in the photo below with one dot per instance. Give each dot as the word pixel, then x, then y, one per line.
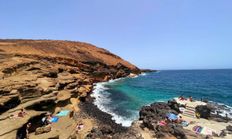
pixel 22 113
pixel 27 130
pixel 190 99
pixel 162 123
pixel 181 98
pixel 47 119
pixel 79 127
pixel 179 120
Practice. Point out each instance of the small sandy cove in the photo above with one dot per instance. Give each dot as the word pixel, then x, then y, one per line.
pixel 217 127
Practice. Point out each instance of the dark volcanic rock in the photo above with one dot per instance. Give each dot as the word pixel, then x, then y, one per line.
pixel 95 133
pixel 174 105
pixel 131 134
pixel 51 74
pixel 229 128
pixel 151 115
pixel 103 118
pixel 156 111
pixel 102 133
pixel 204 111
pixel 179 132
pixel 105 133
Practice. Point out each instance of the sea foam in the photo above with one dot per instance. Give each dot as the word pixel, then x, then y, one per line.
pixel 222 109
pixel 102 99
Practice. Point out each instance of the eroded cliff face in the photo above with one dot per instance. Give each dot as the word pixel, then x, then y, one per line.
pixel 40 75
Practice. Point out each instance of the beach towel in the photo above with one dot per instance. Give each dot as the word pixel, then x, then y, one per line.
pixel 206 131
pixel 172 116
pixel 54 119
pixel 197 129
pixel 184 123
pixel 63 113
pixel 182 109
pixel 162 123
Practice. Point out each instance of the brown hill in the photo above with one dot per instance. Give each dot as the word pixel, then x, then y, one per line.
pixel 79 51
pixel 47 76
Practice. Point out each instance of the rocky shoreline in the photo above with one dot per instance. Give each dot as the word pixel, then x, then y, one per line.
pixel 150 116
pixel 102 118
pixel 43 76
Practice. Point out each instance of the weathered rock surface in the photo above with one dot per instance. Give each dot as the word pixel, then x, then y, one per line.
pixel 204 111
pixel 39 75
pixel 108 132
pixel 151 115
pixel 229 128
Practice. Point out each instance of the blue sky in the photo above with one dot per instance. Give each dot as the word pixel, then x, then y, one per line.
pixel 159 34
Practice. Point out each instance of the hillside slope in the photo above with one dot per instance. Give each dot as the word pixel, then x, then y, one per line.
pixel 75 50
pixel 46 76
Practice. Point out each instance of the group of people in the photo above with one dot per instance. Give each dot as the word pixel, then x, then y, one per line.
pixel 183 98
pixel 47 120
pixel 173 118
pixel 21 114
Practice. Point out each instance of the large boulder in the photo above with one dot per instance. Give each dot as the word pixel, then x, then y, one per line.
pixel 229 128
pixel 151 115
pixel 156 111
pixel 174 105
pixel 204 111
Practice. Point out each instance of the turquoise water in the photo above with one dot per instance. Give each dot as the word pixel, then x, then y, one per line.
pixel 123 98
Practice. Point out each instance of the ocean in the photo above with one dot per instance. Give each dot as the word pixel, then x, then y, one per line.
pixel 123 98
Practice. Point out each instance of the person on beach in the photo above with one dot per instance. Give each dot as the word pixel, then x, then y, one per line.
pixel 47 119
pixel 181 98
pixel 180 119
pixel 73 114
pixel 190 99
pixel 23 133
pixel 198 116
pixel 22 113
pixel 227 119
pixel 27 130
pixel 79 127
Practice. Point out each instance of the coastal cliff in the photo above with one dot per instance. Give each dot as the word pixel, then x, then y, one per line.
pixel 47 76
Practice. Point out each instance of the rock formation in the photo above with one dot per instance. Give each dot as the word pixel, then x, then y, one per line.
pixel 40 75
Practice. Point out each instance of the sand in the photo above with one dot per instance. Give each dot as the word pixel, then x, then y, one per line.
pixel 217 127
pixel 66 126
pixel 189 103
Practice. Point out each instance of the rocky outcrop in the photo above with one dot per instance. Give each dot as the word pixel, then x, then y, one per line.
pixel 40 75
pixel 108 132
pixel 204 111
pixel 41 130
pixel 82 52
pixel 151 115
pixel 229 128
